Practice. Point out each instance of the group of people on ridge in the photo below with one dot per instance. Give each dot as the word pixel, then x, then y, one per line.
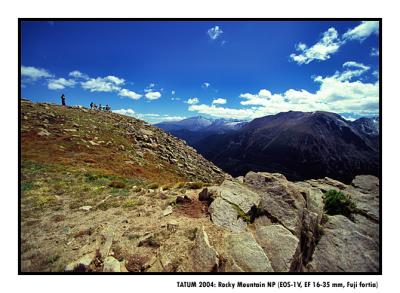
pixel 93 106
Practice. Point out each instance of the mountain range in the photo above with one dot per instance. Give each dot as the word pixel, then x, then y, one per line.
pixel 194 129
pixel 300 145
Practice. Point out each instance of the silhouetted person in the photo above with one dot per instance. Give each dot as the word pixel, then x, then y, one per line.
pixel 63 100
pixel 108 108
pixel 99 107
pixel 91 106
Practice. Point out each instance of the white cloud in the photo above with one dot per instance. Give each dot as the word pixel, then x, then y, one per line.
pixel 337 93
pixel 331 42
pixel 192 101
pixel 374 52
pixel 219 101
pixel 34 73
pixel 353 69
pixel 103 84
pixel 222 112
pixel 322 50
pixel 129 94
pixel 215 32
pixel 78 74
pixel 60 83
pixel 362 31
pixel 126 112
pixel 172 92
pixel 116 80
pixel 205 85
pixel 152 95
pixel 148 117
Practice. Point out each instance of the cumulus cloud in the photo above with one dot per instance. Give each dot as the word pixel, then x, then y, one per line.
pixel 362 31
pixel 152 95
pixel 330 42
pixel 78 74
pixel 222 112
pixel 205 85
pixel 149 117
pixel 338 93
pixel 129 94
pixel 126 112
pixel 219 101
pixel 173 92
pixel 192 101
pixel 34 73
pixel 103 84
pixel 215 32
pixel 60 83
pixel 322 50
pixel 352 70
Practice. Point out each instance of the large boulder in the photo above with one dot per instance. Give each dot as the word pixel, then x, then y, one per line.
pixel 246 254
pixel 204 256
pixel 226 215
pixel 240 195
pixel 281 200
pixel 344 248
pixel 281 247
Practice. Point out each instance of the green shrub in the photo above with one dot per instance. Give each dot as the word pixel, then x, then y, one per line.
pixel 337 203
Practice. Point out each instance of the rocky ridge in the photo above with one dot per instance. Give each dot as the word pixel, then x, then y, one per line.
pixel 73 135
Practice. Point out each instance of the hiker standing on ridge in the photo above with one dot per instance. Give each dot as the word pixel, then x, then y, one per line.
pixel 91 106
pixel 63 100
pixel 99 107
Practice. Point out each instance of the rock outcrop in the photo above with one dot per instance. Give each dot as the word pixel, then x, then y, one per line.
pixel 287 221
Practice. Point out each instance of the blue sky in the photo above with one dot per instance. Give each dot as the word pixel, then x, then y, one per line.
pixel 169 70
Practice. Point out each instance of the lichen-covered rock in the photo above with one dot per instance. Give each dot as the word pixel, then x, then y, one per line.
pixel 344 248
pixel 204 256
pixel 111 265
pixel 281 200
pixel 239 195
pixel 225 215
pixel 281 247
pixel 246 253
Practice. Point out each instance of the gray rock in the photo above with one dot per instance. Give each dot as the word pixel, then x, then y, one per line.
pixel 84 261
pixel 281 200
pixel 43 132
pixel 85 208
pixel 111 265
pixel 281 247
pixel 172 226
pixel 204 256
pixel 240 195
pixel 344 248
pixel 204 195
pixel 167 211
pixel 246 253
pixel 225 215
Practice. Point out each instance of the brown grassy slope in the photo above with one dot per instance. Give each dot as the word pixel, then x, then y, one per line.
pixel 108 143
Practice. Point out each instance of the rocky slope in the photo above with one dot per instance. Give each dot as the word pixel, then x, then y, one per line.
pixel 114 143
pixel 84 209
pixel 300 145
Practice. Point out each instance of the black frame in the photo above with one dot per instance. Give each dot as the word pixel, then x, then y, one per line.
pixel 20 20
